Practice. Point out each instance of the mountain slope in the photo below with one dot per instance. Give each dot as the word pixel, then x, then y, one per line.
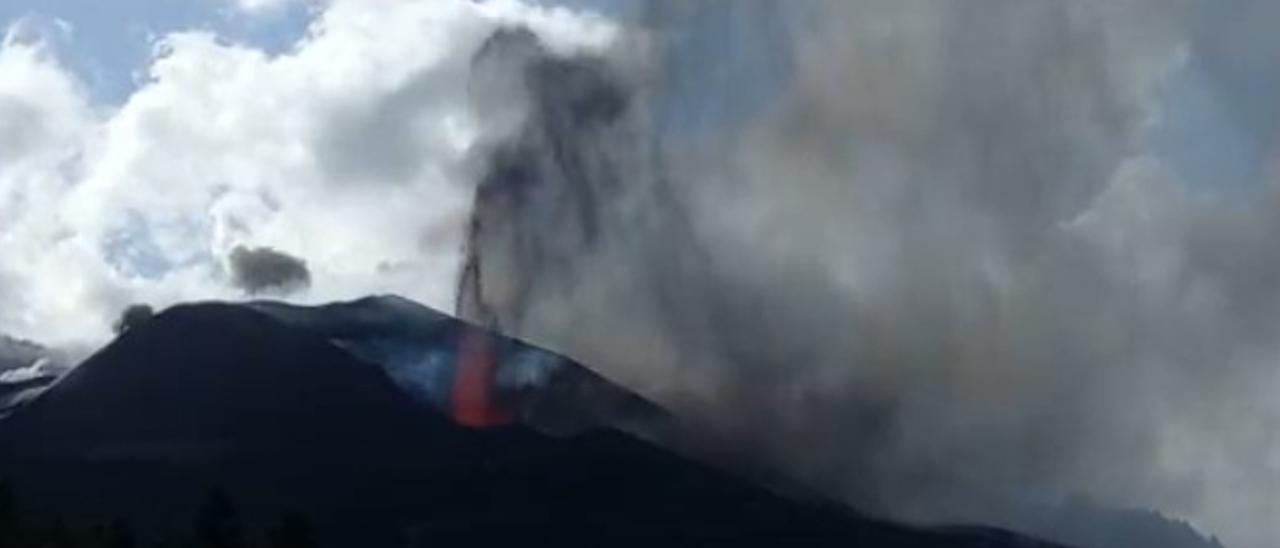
pixel 224 396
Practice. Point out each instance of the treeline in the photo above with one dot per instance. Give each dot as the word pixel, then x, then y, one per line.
pixel 217 524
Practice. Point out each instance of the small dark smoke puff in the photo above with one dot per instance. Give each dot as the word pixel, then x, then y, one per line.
pixel 262 269
pixel 134 316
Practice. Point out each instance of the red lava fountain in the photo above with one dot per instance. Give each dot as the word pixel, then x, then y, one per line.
pixel 474 404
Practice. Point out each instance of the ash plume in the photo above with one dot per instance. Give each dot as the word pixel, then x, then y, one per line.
pixel 18 353
pixel 25 369
pixel 942 272
pixel 262 269
pixel 134 316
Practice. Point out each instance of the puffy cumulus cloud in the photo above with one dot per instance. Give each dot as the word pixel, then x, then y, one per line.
pixel 349 150
pixel 44 124
pixel 41 110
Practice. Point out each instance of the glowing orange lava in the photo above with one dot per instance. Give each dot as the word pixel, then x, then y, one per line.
pixel 474 404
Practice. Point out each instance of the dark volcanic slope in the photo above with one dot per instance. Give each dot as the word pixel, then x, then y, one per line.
pixel 219 376
pixel 212 395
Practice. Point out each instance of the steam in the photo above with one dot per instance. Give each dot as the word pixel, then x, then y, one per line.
pixel 944 271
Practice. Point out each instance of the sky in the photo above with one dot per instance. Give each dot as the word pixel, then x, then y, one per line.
pixel 1076 167
pixel 109 45
pixel 108 61
pixel 145 128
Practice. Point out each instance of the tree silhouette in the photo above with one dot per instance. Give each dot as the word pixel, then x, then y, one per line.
pixel 294 531
pixel 60 536
pixel 8 509
pixel 119 535
pixel 218 523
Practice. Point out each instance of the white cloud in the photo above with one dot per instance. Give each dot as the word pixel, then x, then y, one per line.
pixel 346 152
pixel 262 6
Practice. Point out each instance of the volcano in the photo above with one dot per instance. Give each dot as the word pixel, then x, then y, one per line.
pixel 266 404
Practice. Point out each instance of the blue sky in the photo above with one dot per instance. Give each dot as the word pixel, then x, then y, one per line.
pixel 160 160
pixel 110 41
pixel 109 44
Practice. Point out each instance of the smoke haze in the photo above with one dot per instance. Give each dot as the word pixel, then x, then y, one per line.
pixel 949 266
pixel 941 259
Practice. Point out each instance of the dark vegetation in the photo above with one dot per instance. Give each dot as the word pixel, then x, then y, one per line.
pixel 215 525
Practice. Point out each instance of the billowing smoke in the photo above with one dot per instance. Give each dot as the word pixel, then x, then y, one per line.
pixel 133 317
pixel 948 269
pixel 262 269
pixel 18 354
pixel 25 368
pixel 934 256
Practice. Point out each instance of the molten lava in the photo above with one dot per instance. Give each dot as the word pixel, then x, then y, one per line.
pixel 474 401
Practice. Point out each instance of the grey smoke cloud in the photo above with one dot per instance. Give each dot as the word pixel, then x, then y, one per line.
pixel 942 273
pixel 132 317
pixel 26 368
pixel 17 353
pixel 262 269
pixel 1235 47
pixel 920 252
